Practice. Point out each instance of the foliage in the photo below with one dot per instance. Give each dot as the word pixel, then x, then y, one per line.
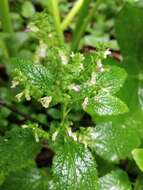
pixel 56 89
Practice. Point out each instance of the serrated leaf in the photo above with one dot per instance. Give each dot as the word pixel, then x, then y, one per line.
pixel 116 180
pixel 112 79
pixel 35 74
pixel 138 157
pixel 26 179
pixel 75 167
pixel 113 141
pixel 105 104
pixel 18 149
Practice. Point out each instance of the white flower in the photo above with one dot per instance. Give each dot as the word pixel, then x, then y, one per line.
pixel 64 58
pixel 76 88
pixel 50 35
pixel 33 28
pixel 25 126
pixel 27 95
pixel 36 137
pixel 45 101
pixel 19 96
pixel 93 80
pixel 100 66
pixel 106 53
pixel 85 103
pixel 72 55
pixel 42 50
pixel 14 83
pixel 81 67
pixel 72 135
pixel 54 136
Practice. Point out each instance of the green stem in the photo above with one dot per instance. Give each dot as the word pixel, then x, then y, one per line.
pixel 53 8
pixel 65 110
pixel 7 26
pixel 5 51
pixel 5 16
pixel 84 18
pixel 71 14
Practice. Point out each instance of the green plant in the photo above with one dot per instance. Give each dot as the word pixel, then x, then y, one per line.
pixel 71 85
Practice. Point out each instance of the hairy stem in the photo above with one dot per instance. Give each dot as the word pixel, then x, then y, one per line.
pixel 53 8
pixel 66 22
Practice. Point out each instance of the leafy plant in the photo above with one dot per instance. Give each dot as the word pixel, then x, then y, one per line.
pixel 70 85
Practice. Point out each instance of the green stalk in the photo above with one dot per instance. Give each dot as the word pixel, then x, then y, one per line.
pixel 71 14
pixel 7 26
pixel 53 8
pixel 5 16
pixel 85 17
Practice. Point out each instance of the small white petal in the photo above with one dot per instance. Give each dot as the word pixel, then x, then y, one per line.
pixel 85 103
pixel 64 58
pixel 106 53
pixel 45 101
pixel 72 135
pixel 76 88
pixel 14 83
pixel 54 136
pixel 33 28
pixel 42 50
pixel 19 96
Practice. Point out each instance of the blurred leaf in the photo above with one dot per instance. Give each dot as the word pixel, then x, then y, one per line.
pixel 113 141
pixel 18 149
pixel 28 9
pixel 116 180
pixel 26 179
pixel 105 104
pixel 112 79
pixel 138 157
pixel 130 40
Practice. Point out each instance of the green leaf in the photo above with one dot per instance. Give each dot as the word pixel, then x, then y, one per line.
pixel 128 28
pixel 26 179
pixel 28 9
pixel 138 157
pixel 34 74
pixel 105 104
pixel 75 167
pixel 18 149
pixel 112 79
pixel 130 39
pixel 2 178
pixel 117 180
pixel 113 141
